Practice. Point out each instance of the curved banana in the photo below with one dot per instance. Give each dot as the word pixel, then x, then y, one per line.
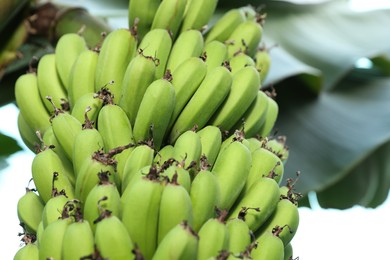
pixel 82 76
pixel 239 61
pixel 94 202
pixel 157 43
pixel 198 14
pixel 244 89
pixel 204 195
pixel 270 247
pixel 49 83
pixel 141 15
pixel 169 15
pixel 154 113
pixel 264 196
pixel 211 140
pixel 28 251
pixel 215 54
pixel 53 208
pixel 262 62
pixel 186 79
pixel 165 153
pixel 27 134
pixel 288 252
pixel 240 236
pixel 278 146
pixel 92 102
pixel 29 211
pixel 254 117
pixel 188 149
pixel 181 242
pixel 188 44
pixel 117 49
pixel 271 116
pixel 140 212
pixel 205 101
pixel 231 169
pixel 68 48
pixel 30 104
pixel 175 207
pixel 140 73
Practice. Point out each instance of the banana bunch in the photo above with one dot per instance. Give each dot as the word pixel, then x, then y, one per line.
pixel 156 144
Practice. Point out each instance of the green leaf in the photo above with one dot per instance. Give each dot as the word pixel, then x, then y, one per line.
pixel 8 147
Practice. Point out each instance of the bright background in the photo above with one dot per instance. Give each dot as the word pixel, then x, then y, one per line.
pixel 356 233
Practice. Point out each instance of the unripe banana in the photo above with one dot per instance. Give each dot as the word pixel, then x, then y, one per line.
pixel 67 50
pixel 181 242
pixel 94 202
pixel 270 246
pixel 215 53
pixel 169 15
pixel 205 101
pixel 204 195
pixel 29 210
pixel 240 236
pixel 264 163
pixel 271 116
pixel 285 215
pixel 39 233
pixel 177 168
pixel 188 44
pixel 175 207
pixel 27 134
pixel 239 61
pixel 140 73
pixel 30 104
pixel 29 251
pixel 186 79
pixel 245 38
pixel 140 212
pixel 157 43
pixel 118 48
pixel 244 88
pixel 288 252
pixel 198 14
pixel 264 196
pixel 53 208
pixel 211 139
pixel 155 111
pixel 254 117
pixel 165 153
pixel 225 25
pixel 141 15
pixel 278 146
pixel 49 82
pixel 213 237
pixel 255 143
pixel 65 128
pixel 48 175
pixel 263 62
pixel 112 239
pixel 236 136
pixel 231 170
pixel 141 156
pixel 188 148
pixel 82 76
pixel 92 102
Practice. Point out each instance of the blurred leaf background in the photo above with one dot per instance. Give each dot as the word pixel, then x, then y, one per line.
pixel 330 68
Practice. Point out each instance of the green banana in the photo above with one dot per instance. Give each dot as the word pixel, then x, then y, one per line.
pixel 278 146
pixel 27 134
pixel 262 62
pixel 141 156
pixel 53 208
pixel 271 116
pixel 204 195
pixel 205 101
pixel 175 207
pixel 198 14
pixel 165 153
pixel 211 140
pixel 82 76
pixel 29 211
pixel 264 196
pixel 157 43
pixel 256 143
pixel 38 235
pixel 246 38
pixel 239 61
pixel 140 73
pixel 94 202
pixel 181 242
pixel 169 15
pixel 231 169
pixel 215 54
pixel 155 111
pixel 244 89
pixel 141 15
pixel 213 237
pixel 288 252
pixel 117 49
pixel 31 107
pixel 264 163
pixel 49 83
pixel 48 175
pixel 186 79
pixel 188 149
pixel 91 103
pixel 188 44
pixel 177 168
pixel 254 117
pixel 225 25
pixel 29 251
pixel 270 246
pixel 111 237
pixel 240 236
pixel 67 50
pixel 140 212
